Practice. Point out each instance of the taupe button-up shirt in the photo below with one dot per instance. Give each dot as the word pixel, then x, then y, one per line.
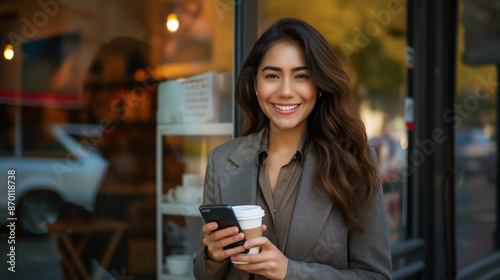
pixel 279 204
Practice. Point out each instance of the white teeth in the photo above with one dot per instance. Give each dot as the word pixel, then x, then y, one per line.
pixel 286 108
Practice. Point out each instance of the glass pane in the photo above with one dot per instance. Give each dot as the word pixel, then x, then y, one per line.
pixel 475 120
pixel 80 107
pixel 370 38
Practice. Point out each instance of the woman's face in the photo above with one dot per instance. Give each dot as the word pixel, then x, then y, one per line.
pixel 286 92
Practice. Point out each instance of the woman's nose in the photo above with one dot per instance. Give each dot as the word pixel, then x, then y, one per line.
pixel 286 88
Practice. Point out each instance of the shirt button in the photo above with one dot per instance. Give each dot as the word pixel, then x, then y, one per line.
pixel 275 210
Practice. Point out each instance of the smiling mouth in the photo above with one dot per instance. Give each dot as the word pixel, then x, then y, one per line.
pixel 285 108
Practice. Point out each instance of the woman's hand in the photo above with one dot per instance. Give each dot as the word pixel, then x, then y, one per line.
pixel 216 240
pixel 270 262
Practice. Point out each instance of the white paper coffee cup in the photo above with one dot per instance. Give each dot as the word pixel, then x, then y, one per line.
pixel 250 219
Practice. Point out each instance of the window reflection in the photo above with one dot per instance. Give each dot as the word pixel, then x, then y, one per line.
pixel 476 138
pixel 92 69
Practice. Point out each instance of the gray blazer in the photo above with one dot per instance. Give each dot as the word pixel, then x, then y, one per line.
pixel 319 244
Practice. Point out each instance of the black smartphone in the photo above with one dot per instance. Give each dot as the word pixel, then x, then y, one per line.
pixel 223 215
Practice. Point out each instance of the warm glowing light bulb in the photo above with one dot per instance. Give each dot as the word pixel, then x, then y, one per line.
pixel 8 52
pixel 172 22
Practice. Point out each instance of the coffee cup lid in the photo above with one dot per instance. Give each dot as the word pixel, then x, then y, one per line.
pixel 247 212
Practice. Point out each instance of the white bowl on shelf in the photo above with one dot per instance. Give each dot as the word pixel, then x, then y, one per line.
pixel 178 264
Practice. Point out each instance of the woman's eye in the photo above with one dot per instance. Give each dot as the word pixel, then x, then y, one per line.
pixel 301 76
pixel 271 76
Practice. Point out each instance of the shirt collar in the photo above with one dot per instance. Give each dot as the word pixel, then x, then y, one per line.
pixel 262 155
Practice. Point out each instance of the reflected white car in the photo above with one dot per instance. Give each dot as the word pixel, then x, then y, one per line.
pixel 42 183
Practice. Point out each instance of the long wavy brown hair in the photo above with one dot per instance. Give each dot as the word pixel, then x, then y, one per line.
pixel 344 166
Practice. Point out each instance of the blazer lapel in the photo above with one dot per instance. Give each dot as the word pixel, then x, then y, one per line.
pixel 312 209
pixel 240 178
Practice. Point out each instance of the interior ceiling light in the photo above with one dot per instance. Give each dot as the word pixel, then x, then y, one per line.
pixel 8 52
pixel 172 22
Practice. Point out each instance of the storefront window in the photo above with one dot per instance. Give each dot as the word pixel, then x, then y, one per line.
pixel 370 37
pixel 79 102
pixel 476 138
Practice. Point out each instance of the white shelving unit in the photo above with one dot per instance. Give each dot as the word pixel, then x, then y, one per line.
pixel 178 209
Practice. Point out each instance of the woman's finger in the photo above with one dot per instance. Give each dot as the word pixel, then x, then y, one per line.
pixel 209 227
pixel 258 241
pixel 218 239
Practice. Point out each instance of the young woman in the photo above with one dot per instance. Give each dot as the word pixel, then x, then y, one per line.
pixel 304 159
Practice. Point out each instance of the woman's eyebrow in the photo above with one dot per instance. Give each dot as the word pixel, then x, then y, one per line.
pixel 295 69
pixel 274 68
